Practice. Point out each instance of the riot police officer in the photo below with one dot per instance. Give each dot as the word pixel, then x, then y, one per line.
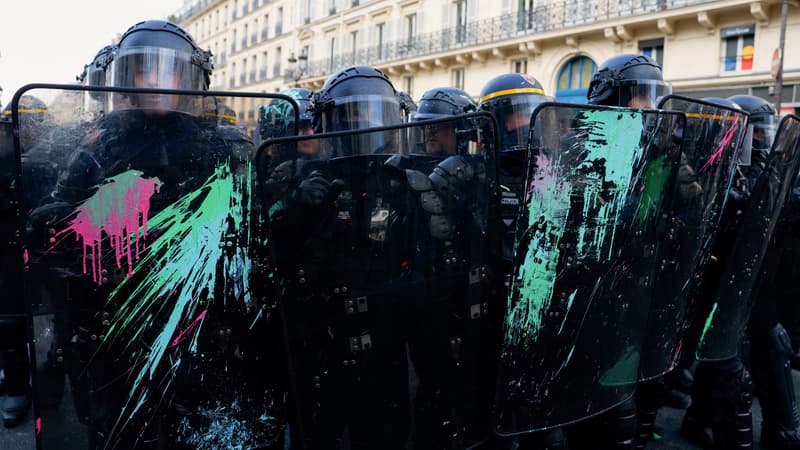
pixel 770 350
pixel 628 80
pixel 442 102
pixel 511 98
pixel 634 81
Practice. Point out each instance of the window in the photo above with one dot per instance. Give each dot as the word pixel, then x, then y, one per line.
pixel 253 69
pixel 243 75
pixel 224 50
pixel 408 85
pixel 233 75
pixel 265 29
pixel 354 40
pixel 225 16
pixel 216 20
pixel 519 65
pixel 276 69
pixel 331 7
pixel 525 15
pixel 307 18
pixel 653 48
pixel 379 32
pixel 461 21
pixel 255 4
pixel 279 22
pixel 244 37
pixel 233 43
pixel 738 47
pixel 331 53
pixel 576 73
pixel 458 78
pixel 411 28
pixel 574 78
pixel 263 74
pixel 254 37
pixel 235 9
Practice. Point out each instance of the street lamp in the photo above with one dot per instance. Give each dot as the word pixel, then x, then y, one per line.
pixel 298 66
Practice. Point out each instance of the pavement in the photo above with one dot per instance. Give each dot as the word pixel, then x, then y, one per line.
pixel 669 419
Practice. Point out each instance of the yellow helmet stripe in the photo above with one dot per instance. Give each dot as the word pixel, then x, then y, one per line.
pixel 38 110
pixel 715 116
pixel 528 90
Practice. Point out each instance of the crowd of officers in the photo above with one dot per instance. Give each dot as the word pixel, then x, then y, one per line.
pixel 716 396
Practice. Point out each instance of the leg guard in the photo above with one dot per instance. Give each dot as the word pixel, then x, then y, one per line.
pixel 735 429
pixel 650 396
pixel 775 388
pixel 696 426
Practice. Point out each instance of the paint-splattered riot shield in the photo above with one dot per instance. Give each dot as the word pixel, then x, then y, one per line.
pixel 12 303
pixel 383 245
pixel 752 221
pixel 579 301
pixel 713 137
pixel 152 317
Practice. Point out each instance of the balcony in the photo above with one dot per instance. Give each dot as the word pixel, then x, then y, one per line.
pixel 553 16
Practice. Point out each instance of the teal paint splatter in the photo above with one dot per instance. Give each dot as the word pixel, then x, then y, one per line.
pixel 611 141
pixel 177 276
pixel 706 327
pixel 625 370
pixel 656 176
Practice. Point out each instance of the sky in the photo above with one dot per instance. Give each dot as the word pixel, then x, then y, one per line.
pixel 49 41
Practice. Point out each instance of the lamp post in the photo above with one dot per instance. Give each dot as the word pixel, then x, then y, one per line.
pixel 298 66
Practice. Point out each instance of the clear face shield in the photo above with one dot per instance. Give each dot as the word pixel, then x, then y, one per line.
pixel 763 131
pixel 154 68
pixel 360 112
pixel 514 119
pixel 643 94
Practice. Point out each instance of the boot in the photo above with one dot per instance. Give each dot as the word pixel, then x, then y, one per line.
pixel 780 428
pixel 696 425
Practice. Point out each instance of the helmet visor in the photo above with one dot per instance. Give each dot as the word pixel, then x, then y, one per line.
pixel 153 68
pixel 514 119
pixel 763 131
pixel 362 111
pixel 642 93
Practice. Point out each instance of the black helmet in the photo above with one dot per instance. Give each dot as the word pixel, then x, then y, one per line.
pixel 442 102
pixel 356 98
pixel 277 118
pixel 762 119
pixel 94 73
pixel 511 98
pixel 160 54
pixel 34 118
pixel 624 78
pixel 407 106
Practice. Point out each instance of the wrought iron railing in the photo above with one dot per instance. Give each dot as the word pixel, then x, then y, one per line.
pixel 548 17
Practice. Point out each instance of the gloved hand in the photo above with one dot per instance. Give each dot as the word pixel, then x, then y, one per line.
pixel 316 189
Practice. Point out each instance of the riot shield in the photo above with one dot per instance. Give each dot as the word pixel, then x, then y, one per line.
pixel 153 321
pixel 731 302
pixel 12 302
pixel 383 243
pixel 584 261
pixel 713 137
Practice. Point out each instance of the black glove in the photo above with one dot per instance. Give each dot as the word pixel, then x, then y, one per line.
pixel 316 189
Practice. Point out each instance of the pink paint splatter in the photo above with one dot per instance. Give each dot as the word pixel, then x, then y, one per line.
pixel 118 209
pixel 182 334
pixel 38 426
pixel 717 155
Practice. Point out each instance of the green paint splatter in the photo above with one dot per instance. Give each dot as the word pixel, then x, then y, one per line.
pixel 176 277
pixel 625 370
pixel 609 151
pixel 656 176
pixel 709 321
